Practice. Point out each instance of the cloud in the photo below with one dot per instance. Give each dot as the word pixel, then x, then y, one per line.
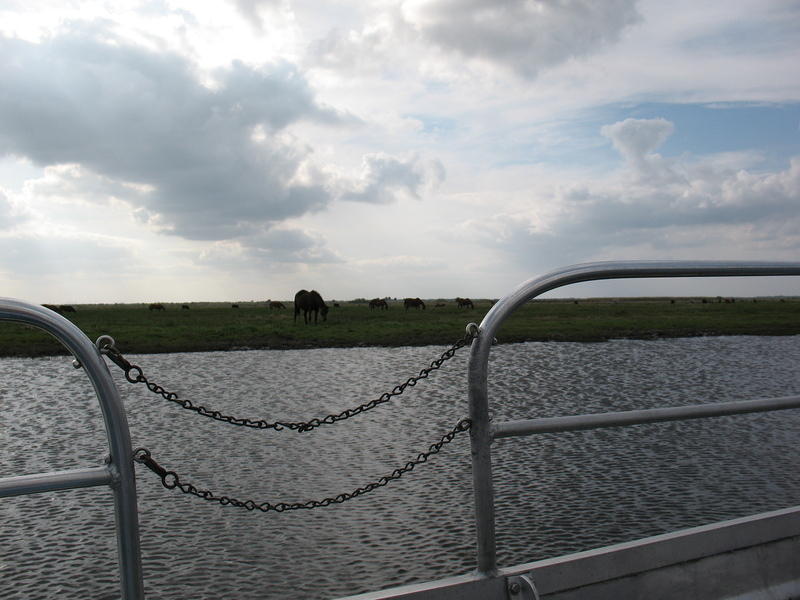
pixel 9 214
pixel 656 205
pixel 215 159
pixel 271 250
pixel 523 35
pixel 251 11
pixel 66 182
pixel 635 138
pixel 383 177
pixel 288 245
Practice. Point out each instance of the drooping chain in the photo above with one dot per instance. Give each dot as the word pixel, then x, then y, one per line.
pixel 171 480
pixel 134 374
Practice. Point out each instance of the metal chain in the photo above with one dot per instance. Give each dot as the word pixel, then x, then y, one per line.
pixel 171 480
pixel 134 374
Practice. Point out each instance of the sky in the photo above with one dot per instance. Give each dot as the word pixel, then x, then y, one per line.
pixel 245 149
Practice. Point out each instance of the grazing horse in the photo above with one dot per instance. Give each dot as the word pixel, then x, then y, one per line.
pixel 276 304
pixel 309 302
pixel 464 302
pixel 413 303
pixel 157 306
pixel 184 306
pixel 378 303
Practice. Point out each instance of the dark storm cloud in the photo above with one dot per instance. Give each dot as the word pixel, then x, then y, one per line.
pixel 524 35
pixel 210 158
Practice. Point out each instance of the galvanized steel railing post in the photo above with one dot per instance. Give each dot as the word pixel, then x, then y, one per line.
pixel 120 465
pixel 481 439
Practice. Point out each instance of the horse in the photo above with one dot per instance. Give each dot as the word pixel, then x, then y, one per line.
pixel 156 306
pixel 276 304
pixel 309 302
pixel 184 307
pixel 413 303
pixel 464 302
pixel 378 303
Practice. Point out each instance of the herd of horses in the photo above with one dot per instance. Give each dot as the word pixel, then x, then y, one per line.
pixel 310 304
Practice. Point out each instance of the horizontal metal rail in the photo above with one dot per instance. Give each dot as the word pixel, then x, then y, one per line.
pixel 51 482
pixel 640 417
pixel 483 431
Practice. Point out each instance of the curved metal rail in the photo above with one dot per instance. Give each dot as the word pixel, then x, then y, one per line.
pixel 483 432
pixel 118 472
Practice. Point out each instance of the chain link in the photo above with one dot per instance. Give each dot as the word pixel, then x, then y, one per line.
pixel 171 480
pixel 134 374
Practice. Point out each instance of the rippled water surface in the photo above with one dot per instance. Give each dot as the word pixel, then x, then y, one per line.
pixel 556 493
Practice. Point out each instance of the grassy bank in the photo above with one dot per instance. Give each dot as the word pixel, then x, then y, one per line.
pixel 218 326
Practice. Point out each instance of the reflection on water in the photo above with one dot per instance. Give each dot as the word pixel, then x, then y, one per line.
pixel 556 493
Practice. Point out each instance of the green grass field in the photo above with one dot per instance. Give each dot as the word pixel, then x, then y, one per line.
pixel 218 326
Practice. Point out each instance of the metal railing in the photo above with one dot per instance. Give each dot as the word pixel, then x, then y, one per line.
pixel 118 471
pixel 484 431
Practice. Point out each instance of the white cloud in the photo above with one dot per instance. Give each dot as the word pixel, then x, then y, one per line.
pixel 523 35
pixel 10 215
pixel 383 177
pixel 684 207
pixel 637 138
pixel 130 116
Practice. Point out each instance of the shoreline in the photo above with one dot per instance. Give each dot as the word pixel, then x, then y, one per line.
pixel 137 330
pixel 644 336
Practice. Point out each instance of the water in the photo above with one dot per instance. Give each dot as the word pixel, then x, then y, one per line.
pixel 556 493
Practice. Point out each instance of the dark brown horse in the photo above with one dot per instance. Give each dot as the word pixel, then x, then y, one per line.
pixel 464 302
pixel 276 304
pixel 413 303
pixel 309 302
pixel 378 303
pixel 156 306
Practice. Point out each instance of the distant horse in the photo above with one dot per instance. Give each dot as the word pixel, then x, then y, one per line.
pixel 184 306
pixel 378 303
pixel 309 302
pixel 464 302
pixel 276 304
pixel 234 306
pixel 413 303
pixel 156 306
